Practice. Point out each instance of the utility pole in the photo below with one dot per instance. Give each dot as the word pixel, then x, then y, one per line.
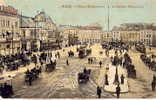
pixel 21 48
pixel 108 14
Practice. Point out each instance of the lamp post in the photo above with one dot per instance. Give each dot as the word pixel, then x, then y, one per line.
pixel 116 80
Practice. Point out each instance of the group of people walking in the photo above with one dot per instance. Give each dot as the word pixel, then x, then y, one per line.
pixel 118 91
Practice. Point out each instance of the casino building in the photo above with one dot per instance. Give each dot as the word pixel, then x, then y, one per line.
pixel 9 30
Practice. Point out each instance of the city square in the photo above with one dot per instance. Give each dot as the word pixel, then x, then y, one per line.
pixel 62 82
pixel 46 54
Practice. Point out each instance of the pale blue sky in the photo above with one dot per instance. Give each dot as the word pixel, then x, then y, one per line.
pixel 84 16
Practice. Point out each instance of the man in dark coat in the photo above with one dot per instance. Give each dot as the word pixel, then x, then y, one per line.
pixel 99 92
pixel 122 79
pixel 67 62
pixel 85 70
pixel 30 79
pixel 153 85
pixel 88 60
pixel 106 80
pixel 118 91
pixel 100 63
pixel 154 78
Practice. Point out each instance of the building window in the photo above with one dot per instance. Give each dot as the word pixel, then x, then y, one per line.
pixel 3 23
pixel 8 46
pixel 16 24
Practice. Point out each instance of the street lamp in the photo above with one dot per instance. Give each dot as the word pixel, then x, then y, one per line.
pixel 116 80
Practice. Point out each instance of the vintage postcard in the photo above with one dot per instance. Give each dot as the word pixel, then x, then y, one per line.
pixel 77 49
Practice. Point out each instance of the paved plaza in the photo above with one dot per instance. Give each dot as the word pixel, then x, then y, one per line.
pixel 63 81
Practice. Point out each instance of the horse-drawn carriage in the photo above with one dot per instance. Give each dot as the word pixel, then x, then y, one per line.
pixel 32 75
pixel 131 71
pixel 6 89
pixel 152 65
pixel 83 77
pixel 147 60
pixel 12 66
pixel 51 66
pixel 88 51
pixel 82 53
pixel 140 48
pixel 43 56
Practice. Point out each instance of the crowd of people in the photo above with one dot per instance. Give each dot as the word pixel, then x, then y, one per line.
pixel 24 58
pixel 6 90
pixel 149 61
pixel 13 62
pixel 129 66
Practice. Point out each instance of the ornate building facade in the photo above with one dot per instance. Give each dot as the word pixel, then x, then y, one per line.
pixel 9 30
pixel 38 33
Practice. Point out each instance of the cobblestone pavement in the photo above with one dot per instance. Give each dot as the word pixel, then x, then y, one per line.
pixel 62 83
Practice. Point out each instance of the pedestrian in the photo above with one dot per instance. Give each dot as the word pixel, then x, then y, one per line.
pixel 106 79
pixel 85 70
pixel 88 60
pixel 100 63
pixel 121 59
pixel 67 62
pixel 107 68
pixel 120 52
pixel 41 63
pixel 58 54
pixel 153 85
pixel 1 70
pixel 154 78
pixel 118 91
pixel 30 79
pixel 35 60
pixel 99 92
pixel 91 60
pixel 122 79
